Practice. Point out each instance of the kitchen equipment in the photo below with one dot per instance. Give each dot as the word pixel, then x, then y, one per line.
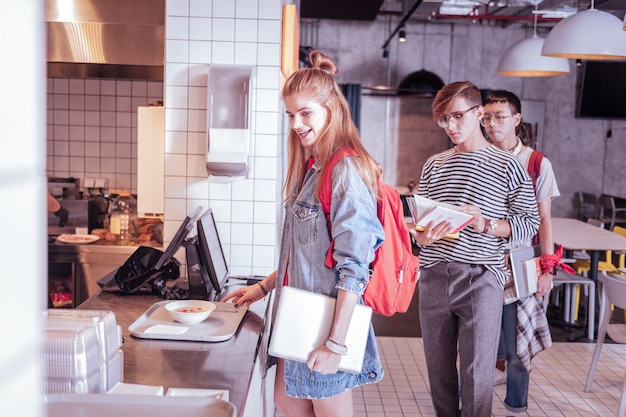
pixel 123 223
pixel 64 188
pixel 157 229
pixel 98 209
pixel 77 217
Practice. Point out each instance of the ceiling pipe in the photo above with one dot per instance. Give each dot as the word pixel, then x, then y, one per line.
pixel 401 23
pixel 495 17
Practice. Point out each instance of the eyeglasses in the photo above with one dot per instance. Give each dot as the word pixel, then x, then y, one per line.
pixel 456 116
pixel 497 120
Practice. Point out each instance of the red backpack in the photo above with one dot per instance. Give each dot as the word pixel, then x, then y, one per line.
pixel 395 269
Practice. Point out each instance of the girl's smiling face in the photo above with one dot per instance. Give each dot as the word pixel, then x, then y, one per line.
pixel 307 117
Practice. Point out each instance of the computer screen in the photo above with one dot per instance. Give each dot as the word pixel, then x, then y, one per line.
pixel 602 90
pixel 210 253
pixel 180 235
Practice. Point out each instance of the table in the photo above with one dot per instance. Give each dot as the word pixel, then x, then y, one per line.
pixel 574 234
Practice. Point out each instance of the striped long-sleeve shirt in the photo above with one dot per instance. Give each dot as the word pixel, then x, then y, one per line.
pixel 493 180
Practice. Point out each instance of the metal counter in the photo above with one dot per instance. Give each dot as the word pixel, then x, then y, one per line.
pixel 182 364
pixel 90 262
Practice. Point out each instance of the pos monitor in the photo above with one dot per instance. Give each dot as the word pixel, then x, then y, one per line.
pixel 210 277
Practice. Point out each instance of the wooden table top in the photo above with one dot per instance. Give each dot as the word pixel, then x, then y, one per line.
pixel 577 235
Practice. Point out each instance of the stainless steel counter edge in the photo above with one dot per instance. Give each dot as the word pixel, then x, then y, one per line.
pixel 183 364
pixel 99 247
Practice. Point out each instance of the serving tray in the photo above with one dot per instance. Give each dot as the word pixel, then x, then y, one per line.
pixel 124 405
pixel 156 323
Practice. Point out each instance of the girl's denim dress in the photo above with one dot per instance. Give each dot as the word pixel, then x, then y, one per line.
pixel 357 233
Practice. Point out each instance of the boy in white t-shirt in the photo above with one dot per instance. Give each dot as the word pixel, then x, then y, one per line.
pixel 503 124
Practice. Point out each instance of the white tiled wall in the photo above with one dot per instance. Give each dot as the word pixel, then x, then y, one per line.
pixel 92 125
pixel 92 128
pixel 200 33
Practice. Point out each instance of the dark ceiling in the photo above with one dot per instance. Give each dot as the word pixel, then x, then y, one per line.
pixel 504 12
pixel 340 9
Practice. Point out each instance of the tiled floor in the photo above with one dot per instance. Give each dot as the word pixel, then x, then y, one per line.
pixel 556 381
pixel 556 387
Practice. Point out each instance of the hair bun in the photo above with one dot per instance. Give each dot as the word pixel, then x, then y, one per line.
pixel 323 62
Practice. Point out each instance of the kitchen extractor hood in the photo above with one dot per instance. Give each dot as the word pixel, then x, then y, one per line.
pixel 105 38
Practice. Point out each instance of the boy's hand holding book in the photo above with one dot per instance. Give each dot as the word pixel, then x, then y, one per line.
pixel 424 211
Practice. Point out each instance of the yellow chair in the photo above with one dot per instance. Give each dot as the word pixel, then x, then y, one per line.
pixel 621 256
pixel 582 265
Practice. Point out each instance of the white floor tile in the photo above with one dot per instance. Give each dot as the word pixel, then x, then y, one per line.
pixel 556 386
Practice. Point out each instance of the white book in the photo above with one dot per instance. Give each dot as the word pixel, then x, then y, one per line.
pixel 425 210
pixel 526 270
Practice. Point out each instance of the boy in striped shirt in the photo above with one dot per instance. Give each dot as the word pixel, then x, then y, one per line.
pixel 461 283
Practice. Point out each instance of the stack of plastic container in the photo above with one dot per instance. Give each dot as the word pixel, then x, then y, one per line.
pixel 82 351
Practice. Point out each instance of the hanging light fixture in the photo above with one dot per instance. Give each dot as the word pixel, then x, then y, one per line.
pixel 524 59
pixel 420 83
pixel 591 35
pixel 402 36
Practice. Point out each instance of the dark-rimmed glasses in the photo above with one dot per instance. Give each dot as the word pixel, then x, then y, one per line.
pixel 443 121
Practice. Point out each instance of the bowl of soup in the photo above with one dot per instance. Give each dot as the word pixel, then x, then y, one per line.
pixel 190 311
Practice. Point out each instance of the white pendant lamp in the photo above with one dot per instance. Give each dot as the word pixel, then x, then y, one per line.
pixel 524 59
pixel 590 35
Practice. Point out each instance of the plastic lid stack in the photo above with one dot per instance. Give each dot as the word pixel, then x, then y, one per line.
pixel 82 351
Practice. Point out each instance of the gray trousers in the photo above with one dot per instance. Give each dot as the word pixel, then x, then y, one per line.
pixel 460 306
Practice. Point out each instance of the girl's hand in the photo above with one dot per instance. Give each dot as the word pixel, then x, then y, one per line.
pixel 245 296
pixel 324 361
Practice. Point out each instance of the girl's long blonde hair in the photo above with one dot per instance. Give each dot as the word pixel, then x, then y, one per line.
pixel 318 84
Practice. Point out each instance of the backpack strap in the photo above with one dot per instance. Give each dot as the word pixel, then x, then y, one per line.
pixel 326 196
pixel 534 166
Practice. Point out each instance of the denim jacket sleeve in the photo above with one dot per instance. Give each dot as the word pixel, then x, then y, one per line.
pixel 356 230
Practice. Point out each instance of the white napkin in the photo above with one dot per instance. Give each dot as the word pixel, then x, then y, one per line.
pixel 166 329
pixel 220 394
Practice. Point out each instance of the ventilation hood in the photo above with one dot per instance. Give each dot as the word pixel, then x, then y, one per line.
pixel 105 38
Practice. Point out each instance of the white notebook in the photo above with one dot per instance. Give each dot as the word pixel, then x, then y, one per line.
pixel 524 269
pixel 303 322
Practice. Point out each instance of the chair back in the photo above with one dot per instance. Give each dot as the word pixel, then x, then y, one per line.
pixel 614 287
pixel 587 206
pixel 610 212
pixel 606 206
pixel 596 222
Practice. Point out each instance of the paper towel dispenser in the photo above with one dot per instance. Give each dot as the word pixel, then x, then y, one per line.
pixel 229 108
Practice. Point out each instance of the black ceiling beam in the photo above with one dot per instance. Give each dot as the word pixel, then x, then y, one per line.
pixel 402 22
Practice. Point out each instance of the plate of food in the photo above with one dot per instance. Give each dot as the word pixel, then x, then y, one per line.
pixel 77 239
